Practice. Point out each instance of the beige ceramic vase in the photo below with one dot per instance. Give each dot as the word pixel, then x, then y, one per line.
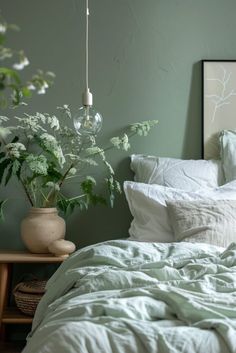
pixel 41 227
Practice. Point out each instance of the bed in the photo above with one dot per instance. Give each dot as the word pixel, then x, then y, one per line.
pixel 170 287
pixel 128 296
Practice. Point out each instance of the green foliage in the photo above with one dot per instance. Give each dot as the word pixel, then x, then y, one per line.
pixel 3 167
pixel 10 74
pixel 87 187
pixel 13 90
pixel 46 155
pixel 143 128
pixel 67 206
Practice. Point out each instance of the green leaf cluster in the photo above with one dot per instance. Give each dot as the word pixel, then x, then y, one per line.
pixel 14 90
pixel 88 196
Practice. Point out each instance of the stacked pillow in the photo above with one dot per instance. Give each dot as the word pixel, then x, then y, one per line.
pixel 189 175
pixel 208 221
pixel 178 200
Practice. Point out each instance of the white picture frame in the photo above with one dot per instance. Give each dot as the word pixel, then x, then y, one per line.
pixel 218 103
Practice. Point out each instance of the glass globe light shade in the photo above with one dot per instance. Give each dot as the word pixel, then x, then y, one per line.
pixel 87 121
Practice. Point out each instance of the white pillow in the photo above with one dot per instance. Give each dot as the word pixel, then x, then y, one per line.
pixel 228 153
pixel 189 175
pixel 147 204
pixel 211 221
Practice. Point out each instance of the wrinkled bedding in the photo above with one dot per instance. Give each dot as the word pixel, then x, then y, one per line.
pixel 125 296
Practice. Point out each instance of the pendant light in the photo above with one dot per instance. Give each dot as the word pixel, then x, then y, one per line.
pixel 87 121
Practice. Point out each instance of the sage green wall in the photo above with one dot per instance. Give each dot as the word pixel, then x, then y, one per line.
pixel 145 64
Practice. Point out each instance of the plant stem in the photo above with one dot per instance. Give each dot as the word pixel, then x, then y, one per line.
pixel 77 197
pixel 52 193
pixel 65 175
pixel 27 192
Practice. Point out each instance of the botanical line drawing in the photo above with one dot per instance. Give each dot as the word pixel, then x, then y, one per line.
pixel 223 98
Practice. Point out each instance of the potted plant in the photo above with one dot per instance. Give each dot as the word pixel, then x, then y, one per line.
pixel 13 90
pixel 44 155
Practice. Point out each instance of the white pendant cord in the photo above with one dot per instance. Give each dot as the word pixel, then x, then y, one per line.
pixel 87 44
pixel 87 97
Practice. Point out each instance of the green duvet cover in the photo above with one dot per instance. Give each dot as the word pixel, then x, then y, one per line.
pixel 125 296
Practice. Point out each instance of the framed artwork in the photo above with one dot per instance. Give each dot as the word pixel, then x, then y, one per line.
pixel 218 102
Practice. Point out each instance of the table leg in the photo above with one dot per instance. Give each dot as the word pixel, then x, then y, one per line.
pixel 4 288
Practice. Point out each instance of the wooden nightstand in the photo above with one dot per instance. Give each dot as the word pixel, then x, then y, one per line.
pixel 12 315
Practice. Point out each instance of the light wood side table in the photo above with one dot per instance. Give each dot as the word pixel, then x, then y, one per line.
pixel 11 315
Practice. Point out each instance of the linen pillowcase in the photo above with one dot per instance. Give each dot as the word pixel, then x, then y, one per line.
pixel 228 153
pixel 189 175
pixel 212 222
pixel 148 206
